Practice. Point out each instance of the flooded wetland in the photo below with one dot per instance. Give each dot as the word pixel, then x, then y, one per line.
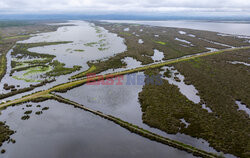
pixel 126 89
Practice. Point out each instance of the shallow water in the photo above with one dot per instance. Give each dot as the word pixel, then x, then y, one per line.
pixel 187 90
pixel 212 49
pixel 131 63
pixel 122 101
pixel 239 62
pixel 63 131
pixel 185 122
pixel 236 28
pixel 182 32
pixel 191 35
pixel 184 41
pixel 80 34
pixel 243 107
pixel 8 79
pixel 140 41
pixel 158 56
pixel 126 29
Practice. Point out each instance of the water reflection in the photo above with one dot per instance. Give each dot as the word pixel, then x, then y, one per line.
pixel 189 91
pixel 158 56
pixel 122 101
pixel 80 33
pixel 243 107
pixel 85 37
pixel 239 62
pixel 64 131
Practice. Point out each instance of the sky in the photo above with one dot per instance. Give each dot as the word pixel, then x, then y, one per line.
pixel 238 7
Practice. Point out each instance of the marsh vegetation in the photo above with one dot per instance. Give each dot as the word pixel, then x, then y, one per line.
pixel 164 107
pixel 165 42
pixel 226 128
pixel 43 65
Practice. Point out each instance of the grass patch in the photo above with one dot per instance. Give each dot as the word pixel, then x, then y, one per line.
pixel 60 69
pixel 45 108
pixel 91 44
pixel 38 112
pixel 83 74
pixel 5 132
pixel 100 35
pixel 126 34
pixel 37 70
pixel 102 49
pixel 33 70
pixel 97 29
pixel 40 66
pixel 28 112
pixel 160 42
pixel 25 117
pixel 15 37
pixel 4 48
pixel 25 79
pixel 79 50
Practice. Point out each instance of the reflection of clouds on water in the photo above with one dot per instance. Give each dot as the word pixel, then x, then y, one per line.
pixel 79 34
pixel 113 96
pixel 64 128
pixel 158 56
pixel 116 96
pixel 122 102
pixel 189 91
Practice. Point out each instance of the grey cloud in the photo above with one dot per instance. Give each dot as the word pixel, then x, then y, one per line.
pixel 81 6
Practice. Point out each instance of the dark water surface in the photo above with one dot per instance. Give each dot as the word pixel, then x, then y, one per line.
pixel 64 131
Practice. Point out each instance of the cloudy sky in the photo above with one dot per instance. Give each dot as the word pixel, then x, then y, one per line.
pixel 124 6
